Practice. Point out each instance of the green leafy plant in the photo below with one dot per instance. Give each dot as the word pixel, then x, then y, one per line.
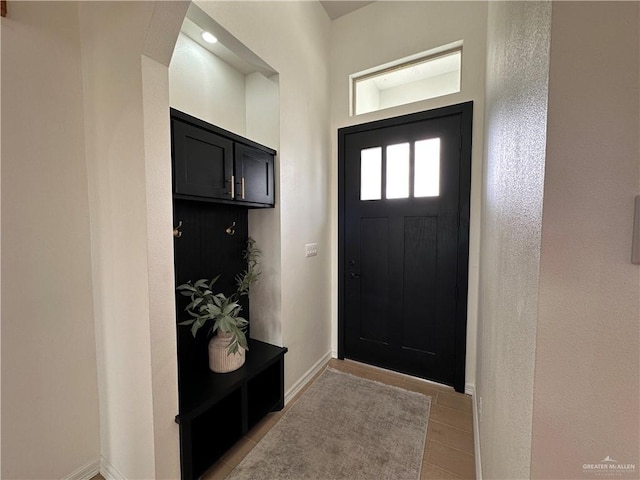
pixel 206 306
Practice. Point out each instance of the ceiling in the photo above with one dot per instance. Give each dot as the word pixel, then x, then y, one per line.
pixel 338 8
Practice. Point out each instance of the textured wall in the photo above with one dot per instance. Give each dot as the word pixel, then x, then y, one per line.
pixel 386 31
pixel 587 392
pixel 515 134
pixel 49 388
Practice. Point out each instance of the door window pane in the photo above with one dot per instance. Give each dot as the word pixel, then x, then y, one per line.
pixel 371 174
pixel 427 168
pixel 398 171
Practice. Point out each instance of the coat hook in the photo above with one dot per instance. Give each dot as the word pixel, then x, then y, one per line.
pixel 176 231
pixel 232 229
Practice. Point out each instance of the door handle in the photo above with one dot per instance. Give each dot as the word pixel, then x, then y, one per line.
pixel 354 275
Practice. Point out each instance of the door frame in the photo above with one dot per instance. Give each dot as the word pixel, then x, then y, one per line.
pixel 465 110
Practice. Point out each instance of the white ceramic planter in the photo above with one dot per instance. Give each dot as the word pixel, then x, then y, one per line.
pixel 219 360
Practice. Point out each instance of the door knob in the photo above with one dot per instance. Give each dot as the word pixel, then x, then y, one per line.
pixel 354 275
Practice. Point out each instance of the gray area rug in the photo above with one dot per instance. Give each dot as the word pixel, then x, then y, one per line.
pixel 343 427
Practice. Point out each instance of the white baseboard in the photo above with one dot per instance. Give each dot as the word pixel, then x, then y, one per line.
pixel 109 472
pixel 85 472
pixel 469 388
pixel 306 377
pixel 476 433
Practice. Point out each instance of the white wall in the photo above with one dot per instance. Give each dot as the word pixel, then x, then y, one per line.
pixel 518 35
pixel 386 31
pixel 129 168
pixel 293 38
pixel 587 391
pixel 49 389
pixel 113 111
pixel 263 126
pixel 1 22
pixel 157 144
pixel 262 102
pixel 206 87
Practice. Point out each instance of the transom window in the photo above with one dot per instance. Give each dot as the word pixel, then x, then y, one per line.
pixel 410 170
pixel 430 74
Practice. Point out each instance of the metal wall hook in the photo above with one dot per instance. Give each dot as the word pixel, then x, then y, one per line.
pixel 231 230
pixel 176 231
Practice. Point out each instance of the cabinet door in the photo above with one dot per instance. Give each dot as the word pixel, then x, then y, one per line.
pixel 254 175
pixel 202 162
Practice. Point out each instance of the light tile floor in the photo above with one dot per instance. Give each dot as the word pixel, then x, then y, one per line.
pixel 449 451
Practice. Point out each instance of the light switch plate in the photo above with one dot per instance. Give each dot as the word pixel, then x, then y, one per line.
pixel 311 250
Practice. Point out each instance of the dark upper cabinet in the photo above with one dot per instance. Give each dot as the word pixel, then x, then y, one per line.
pixel 203 162
pixel 254 174
pixel 215 165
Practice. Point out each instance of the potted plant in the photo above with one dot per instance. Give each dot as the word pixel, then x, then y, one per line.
pixel 226 348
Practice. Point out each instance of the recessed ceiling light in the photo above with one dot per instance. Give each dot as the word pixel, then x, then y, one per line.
pixel 208 37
